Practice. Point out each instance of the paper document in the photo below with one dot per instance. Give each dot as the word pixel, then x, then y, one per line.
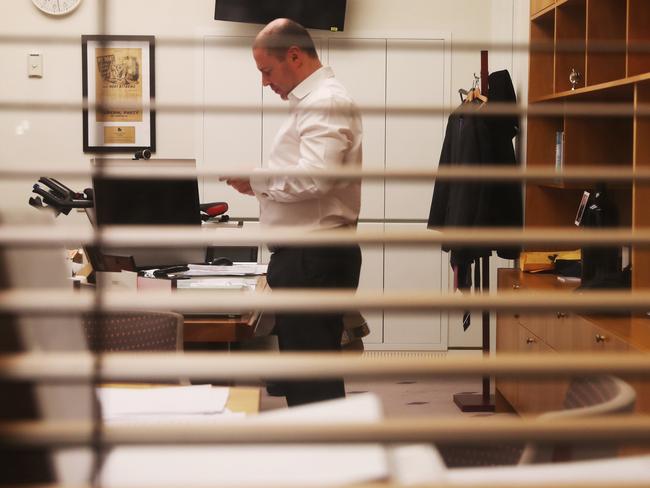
pixel 177 419
pixel 237 269
pixel 290 465
pixel 227 283
pixel 174 400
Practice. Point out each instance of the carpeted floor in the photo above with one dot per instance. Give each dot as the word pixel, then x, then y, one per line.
pixel 405 397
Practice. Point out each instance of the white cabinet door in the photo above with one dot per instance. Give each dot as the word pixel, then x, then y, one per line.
pixel 414 268
pixel 360 64
pixel 384 77
pixel 372 279
pixel 415 73
pixel 231 138
pixel 473 336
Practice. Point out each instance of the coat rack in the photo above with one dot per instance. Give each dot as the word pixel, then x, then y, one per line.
pixel 483 402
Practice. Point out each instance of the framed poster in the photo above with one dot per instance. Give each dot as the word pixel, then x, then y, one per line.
pixel 118 87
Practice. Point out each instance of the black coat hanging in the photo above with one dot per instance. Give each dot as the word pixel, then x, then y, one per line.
pixel 478 140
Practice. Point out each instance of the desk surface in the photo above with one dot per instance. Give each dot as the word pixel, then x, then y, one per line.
pixel 203 328
pixel 244 399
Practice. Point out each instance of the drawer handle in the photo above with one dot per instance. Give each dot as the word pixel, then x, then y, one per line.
pixel 601 339
pixel 530 340
pixel 561 315
pixel 516 286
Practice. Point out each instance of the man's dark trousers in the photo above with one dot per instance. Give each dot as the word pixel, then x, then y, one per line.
pixel 312 267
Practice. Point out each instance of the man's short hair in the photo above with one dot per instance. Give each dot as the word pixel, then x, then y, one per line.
pixel 286 34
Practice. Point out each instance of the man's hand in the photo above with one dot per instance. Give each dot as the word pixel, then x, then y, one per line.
pixel 242 185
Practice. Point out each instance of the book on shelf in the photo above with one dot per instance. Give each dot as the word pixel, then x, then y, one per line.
pixel 559 151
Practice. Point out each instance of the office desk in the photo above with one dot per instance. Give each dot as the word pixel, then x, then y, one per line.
pixel 215 328
pixel 244 399
pixel 198 328
pixel 206 328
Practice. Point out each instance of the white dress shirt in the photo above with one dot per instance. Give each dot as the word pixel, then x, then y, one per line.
pixel 323 131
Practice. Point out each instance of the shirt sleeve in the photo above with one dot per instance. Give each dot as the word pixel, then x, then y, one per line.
pixel 326 134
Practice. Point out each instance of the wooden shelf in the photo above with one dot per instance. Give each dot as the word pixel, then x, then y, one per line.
pixel 641 192
pixel 570 42
pixel 542 63
pixel 604 40
pixel 579 28
pixel 627 187
pixel 638 35
pixel 616 90
pixel 591 141
pixel 541 140
pixel 606 26
pixel 548 207
pixel 541 7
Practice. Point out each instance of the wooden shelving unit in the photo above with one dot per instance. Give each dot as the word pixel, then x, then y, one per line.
pixel 570 42
pixel 606 26
pixel 574 33
pixel 638 34
pixel 578 30
pixel 641 192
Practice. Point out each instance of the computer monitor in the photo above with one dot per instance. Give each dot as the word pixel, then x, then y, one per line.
pixel 313 14
pixel 121 200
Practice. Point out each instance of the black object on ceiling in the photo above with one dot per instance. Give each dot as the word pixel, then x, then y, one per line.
pixel 313 14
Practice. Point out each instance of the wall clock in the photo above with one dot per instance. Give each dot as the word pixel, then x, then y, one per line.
pixel 56 7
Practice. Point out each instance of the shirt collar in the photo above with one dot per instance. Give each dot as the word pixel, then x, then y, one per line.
pixel 310 83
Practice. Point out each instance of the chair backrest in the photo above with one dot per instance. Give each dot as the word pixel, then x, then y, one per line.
pixel 134 331
pixel 585 397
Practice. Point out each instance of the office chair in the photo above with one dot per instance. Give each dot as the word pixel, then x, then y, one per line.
pixel 134 331
pixel 585 397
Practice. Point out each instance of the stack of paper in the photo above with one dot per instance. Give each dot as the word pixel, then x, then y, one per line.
pixel 237 269
pixel 219 283
pixel 197 403
pixel 259 465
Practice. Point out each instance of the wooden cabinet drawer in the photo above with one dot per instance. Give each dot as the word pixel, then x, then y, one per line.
pixel 536 396
pixel 560 331
pixel 536 324
pixel 507 338
pixel 589 337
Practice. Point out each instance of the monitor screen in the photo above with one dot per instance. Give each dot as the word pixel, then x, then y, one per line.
pixel 146 202
pixel 313 14
pixel 149 201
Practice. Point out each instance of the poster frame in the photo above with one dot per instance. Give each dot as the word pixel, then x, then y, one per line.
pixel 94 131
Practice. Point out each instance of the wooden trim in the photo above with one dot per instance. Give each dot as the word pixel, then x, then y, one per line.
pixel 545 10
pixel 593 88
pixel 432 429
pixel 239 366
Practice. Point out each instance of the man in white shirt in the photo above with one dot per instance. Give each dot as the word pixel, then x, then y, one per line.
pixel 323 132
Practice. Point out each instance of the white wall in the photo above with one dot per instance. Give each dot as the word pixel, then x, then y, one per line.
pixel 30 138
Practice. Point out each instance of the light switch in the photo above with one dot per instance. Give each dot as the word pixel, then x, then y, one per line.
pixel 35 65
